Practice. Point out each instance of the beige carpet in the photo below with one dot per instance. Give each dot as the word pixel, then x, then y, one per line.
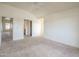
pixel 37 47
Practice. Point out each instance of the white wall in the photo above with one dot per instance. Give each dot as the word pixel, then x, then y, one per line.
pixel 18 29
pixel 18 21
pixel 63 27
pixel 0 30
pixel 36 28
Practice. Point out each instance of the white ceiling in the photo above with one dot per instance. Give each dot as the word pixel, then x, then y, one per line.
pixel 42 8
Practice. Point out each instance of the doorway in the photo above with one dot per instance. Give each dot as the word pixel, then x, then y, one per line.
pixel 7 29
pixel 27 28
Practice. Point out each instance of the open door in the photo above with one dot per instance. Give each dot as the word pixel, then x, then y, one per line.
pixel 30 28
pixel 27 28
pixel 7 29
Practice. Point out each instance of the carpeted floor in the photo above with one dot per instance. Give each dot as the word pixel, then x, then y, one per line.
pixel 36 47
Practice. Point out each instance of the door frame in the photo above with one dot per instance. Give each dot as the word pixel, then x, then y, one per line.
pixel 30 26
pixel 11 24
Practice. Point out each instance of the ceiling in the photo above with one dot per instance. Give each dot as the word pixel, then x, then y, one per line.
pixel 42 8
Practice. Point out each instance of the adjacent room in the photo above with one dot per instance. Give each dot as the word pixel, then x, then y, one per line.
pixel 39 29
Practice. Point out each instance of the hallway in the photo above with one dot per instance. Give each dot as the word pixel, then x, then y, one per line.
pixel 37 47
